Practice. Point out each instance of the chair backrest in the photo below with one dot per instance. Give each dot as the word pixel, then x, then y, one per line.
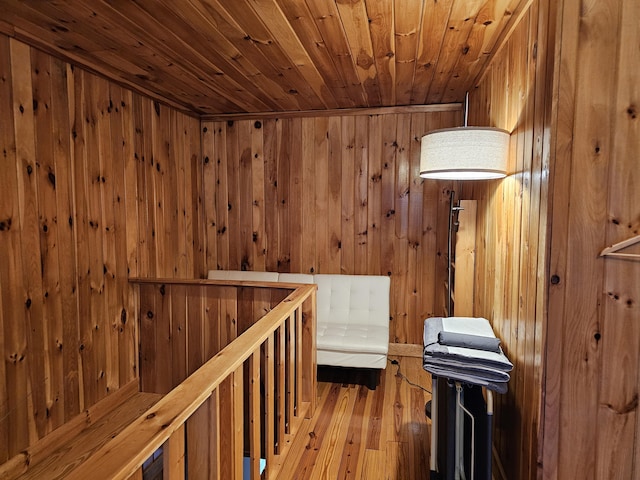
pixel 295 278
pixel 353 299
pixel 240 276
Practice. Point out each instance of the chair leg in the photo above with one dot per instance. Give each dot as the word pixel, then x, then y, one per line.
pixel 374 378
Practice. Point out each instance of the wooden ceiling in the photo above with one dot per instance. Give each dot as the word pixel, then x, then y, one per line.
pixel 213 57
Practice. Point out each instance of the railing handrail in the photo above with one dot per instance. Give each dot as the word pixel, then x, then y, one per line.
pixel 123 456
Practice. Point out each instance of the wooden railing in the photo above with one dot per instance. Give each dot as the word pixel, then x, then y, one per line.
pixel 246 401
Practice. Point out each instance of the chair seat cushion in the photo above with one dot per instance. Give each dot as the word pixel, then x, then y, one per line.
pixel 340 337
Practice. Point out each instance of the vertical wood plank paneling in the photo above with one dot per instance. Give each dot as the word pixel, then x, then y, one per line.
pixel 401 192
pixel 211 328
pixel 533 245
pixel 361 182
pixel 309 260
pixel 213 221
pixel 347 176
pixel 162 320
pixel 426 236
pixel 593 298
pixel 141 246
pixel 233 202
pixel 334 199
pixel 182 234
pixel 388 189
pixel 339 195
pixel 89 196
pixel 321 189
pixel 258 231
pixel 588 214
pixel 80 221
pixel 150 225
pixel 52 308
pixel 110 167
pixel 511 232
pixel 546 42
pixel 245 195
pixel 123 202
pixel 272 133
pixel 147 364
pixel 233 196
pixel 388 216
pixel 287 152
pixel 374 195
pixel 296 186
pixel 15 364
pixel 621 330
pixel 180 334
pixel 130 322
pixel 68 342
pixel 418 280
pixel 27 199
pixel 202 336
pixel 95 131
pixel 517 194
pixel 222 204
pixel 195 188
pixel 465 259
pixel 162 209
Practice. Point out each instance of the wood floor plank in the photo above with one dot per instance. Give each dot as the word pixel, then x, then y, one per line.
pixel 301 442
pixel 352 451
pixel 333 443
pixel 325 413
pixel 375 419
pixel 361 433
pixel 373 463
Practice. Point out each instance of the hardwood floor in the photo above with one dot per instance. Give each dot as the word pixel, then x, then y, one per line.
pixel 357 433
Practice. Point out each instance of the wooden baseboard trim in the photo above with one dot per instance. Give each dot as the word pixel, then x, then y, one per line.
pixel 405 350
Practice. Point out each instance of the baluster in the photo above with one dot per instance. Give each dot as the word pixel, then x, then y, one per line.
pixel 254 415
pixel 173 456
pixel 269 393
pixel 281 384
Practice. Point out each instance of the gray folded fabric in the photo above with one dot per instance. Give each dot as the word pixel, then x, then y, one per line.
pixel 500 387
pixel 477 342
pixel 482 358
pixel 447 352
pixel 467 368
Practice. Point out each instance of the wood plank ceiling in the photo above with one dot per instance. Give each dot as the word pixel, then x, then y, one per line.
pixel 212 57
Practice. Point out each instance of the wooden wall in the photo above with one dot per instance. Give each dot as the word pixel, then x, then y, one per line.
pixel 512 231
pixel 592 426
pixel 96 184
pixel 331 194
pixel 182 326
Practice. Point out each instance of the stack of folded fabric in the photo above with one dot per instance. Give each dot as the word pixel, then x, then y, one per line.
pixel 465 349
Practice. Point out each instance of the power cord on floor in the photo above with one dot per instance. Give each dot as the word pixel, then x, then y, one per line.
pixel 401 375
